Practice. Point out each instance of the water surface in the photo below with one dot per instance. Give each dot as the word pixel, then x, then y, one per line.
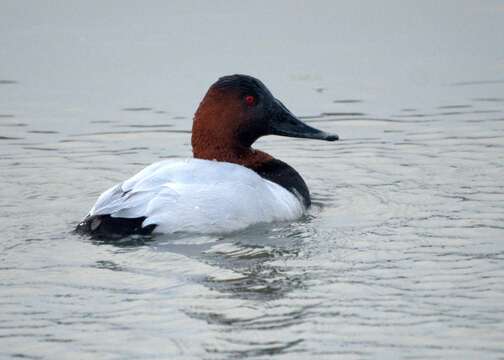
pixel 401 254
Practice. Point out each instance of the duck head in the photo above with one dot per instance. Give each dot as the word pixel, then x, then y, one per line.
pixel 235 112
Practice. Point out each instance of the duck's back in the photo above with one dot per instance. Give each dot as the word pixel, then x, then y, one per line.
pixel 191 196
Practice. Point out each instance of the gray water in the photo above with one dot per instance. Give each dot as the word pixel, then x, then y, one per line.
pixel 402 253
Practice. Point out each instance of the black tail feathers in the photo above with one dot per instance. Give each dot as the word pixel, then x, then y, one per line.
pixel 108 226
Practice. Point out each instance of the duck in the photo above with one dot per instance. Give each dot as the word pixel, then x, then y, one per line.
pixel 227 185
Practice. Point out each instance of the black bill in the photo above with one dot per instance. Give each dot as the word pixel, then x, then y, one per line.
pixel 284 123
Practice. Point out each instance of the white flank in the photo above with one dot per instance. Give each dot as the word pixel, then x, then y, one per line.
pixel 199 196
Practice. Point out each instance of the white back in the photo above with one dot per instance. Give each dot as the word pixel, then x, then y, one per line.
pixel 199 196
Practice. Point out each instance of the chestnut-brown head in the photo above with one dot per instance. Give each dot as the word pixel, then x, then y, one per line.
pixel 235 112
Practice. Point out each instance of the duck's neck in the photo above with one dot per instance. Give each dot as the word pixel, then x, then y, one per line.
pixel 233 153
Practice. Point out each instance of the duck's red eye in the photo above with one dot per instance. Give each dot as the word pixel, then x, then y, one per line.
pixel 250 100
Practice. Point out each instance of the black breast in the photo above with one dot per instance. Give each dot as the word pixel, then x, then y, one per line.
pixel 282 174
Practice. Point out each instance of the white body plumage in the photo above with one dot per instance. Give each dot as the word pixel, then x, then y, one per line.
pixel 198 196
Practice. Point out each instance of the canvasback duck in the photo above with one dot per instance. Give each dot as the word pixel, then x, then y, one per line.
pixel 227 186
